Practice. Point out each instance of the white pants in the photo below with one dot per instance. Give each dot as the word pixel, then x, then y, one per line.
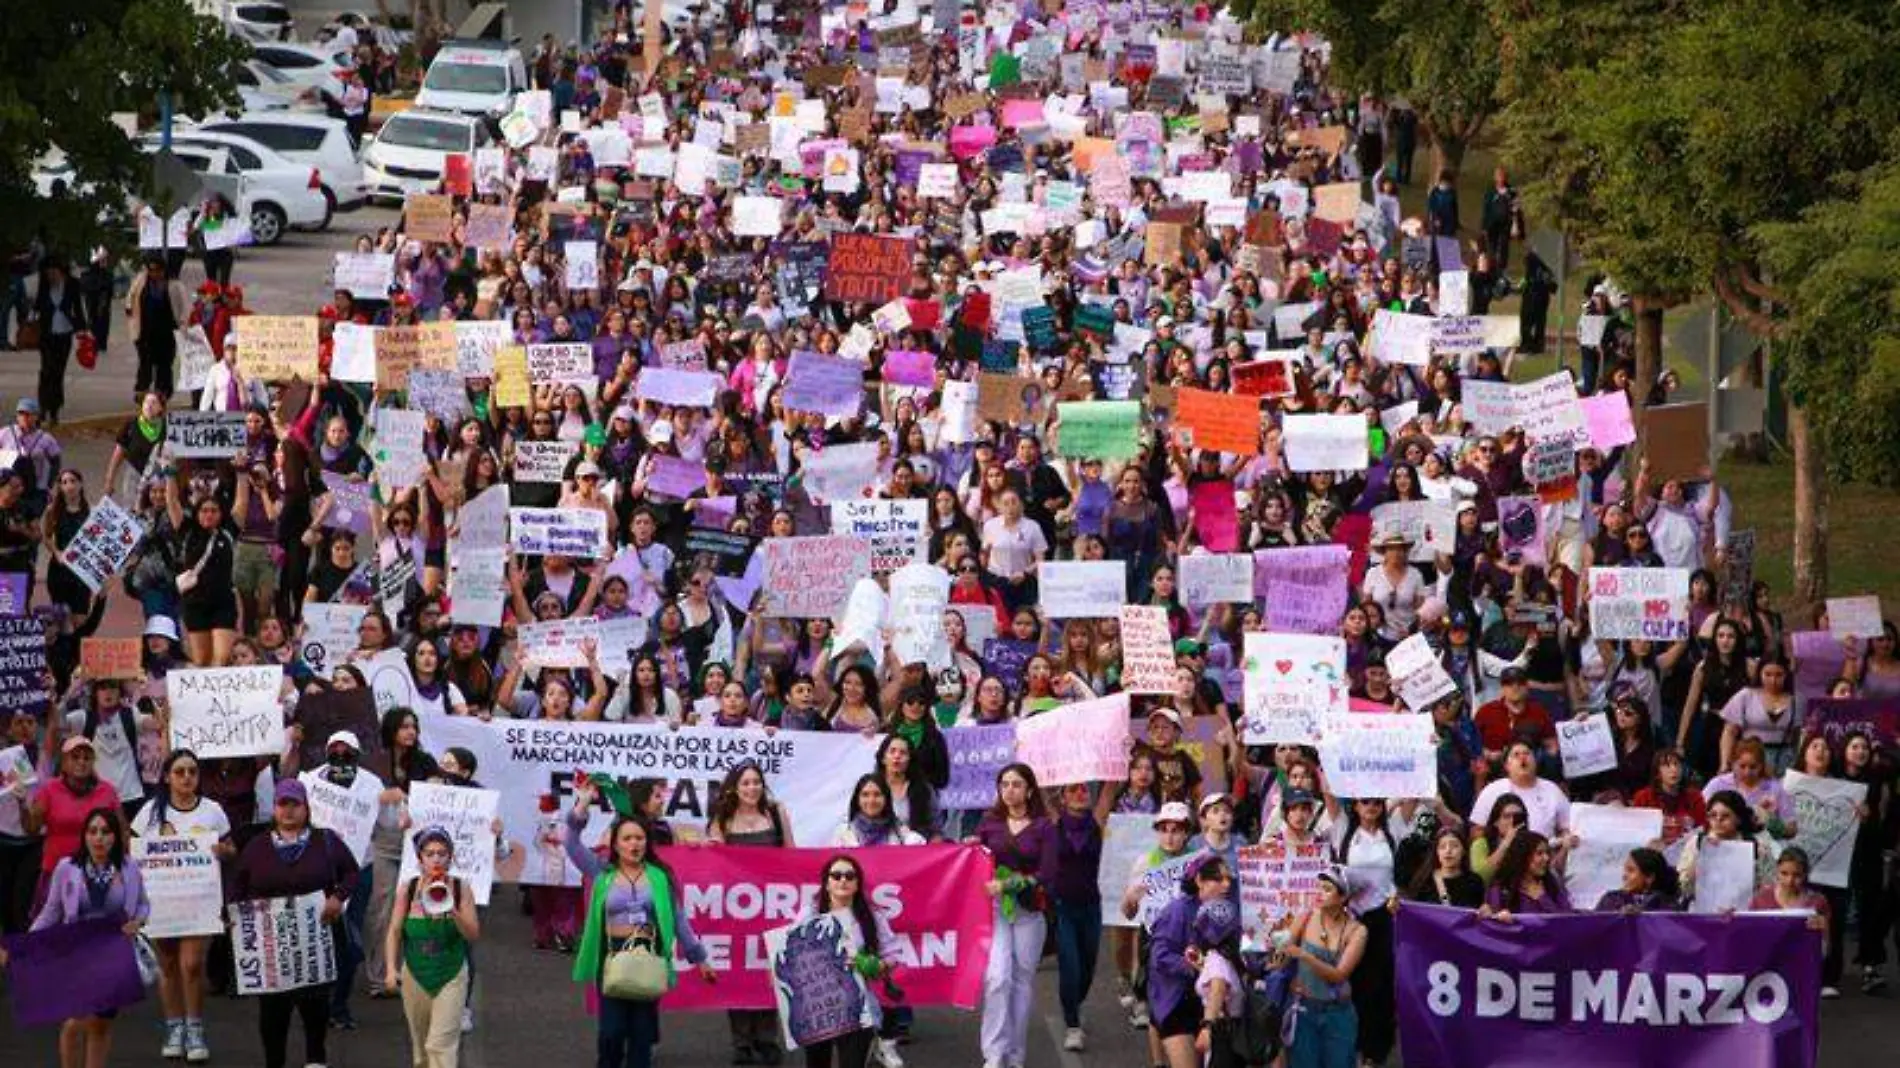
pixel 1009 986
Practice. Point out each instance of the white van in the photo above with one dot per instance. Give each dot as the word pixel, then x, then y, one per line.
pixel 409 154
pixel 474 78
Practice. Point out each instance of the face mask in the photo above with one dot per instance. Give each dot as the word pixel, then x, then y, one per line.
pixel 342 768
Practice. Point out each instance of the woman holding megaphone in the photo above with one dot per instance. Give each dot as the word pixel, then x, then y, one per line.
pixel 429 934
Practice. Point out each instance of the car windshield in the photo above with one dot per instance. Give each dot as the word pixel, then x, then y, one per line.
pixel 466 78
pixel 407 132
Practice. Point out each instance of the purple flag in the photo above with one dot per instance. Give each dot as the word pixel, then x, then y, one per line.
pixel 13 593
pixel 72 970
pixel 1305 589
pixel 1657 988
pixel 977 755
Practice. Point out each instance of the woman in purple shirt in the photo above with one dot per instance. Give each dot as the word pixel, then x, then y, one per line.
pixel 1019 835
pixel 1525 885
pixel 98 881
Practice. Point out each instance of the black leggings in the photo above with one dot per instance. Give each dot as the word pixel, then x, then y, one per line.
pixel 845 1051
pixel 273 1023
pixel 1372 993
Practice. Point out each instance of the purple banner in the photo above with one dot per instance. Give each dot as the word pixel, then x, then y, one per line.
pixel 72 970
pixel 910 166
pixel 670 476
pixel 977 755
pixel 1305 589
pixel 1651 989
pixel 1835 719
pixel 349 503
pixel 910 367
pixel 13 593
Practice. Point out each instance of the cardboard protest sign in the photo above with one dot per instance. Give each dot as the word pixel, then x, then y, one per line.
pixel 1377 755
pixel 1645 603
pixel 277 348
pixel 578 532
pixel 897 531
pixel 182 882
pixel 103 545
pixel 1221 421
pixel 1676 442
pixel 867 268
pixel 828 385
pixel 561 363
pixel 428 217
pixel 227 712
pixel 1605 835
pixel 812 577
pixel 281 944
pixel 1292 681
pixel 1082 742
pixel 818 994
pixel 1082 589
pixel 1099 430
pixel 469 816
pixel 1147 650
pixel 111 658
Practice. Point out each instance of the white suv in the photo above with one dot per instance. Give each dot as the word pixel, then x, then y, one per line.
pixel 408 155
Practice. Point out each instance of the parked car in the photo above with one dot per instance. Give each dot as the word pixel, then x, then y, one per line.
pixel 259 20
pixel 281 194
pixel 265 88
pixel 408 154
pixel 318 67
pixel 316 140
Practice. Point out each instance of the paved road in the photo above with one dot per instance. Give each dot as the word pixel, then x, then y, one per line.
pixel 529 1013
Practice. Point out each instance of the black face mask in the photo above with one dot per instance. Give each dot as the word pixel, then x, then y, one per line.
pixel 342 768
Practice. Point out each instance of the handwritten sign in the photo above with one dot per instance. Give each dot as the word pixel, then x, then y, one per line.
pixel 1221 421
pixel 277 348
pixel 1291 682
pixel 24 683
pixel 280 944
pixel 1279 879
pixel 1082 742
pixel 468 815
pixel 1855 617
pixel 365 275
pixel 563 363
pixel 580 532
pixel 812 577
pixel 227 712
pixel 1587 745
pixel 867 268
pixel 111 658
pixel 1375 755
pixel 1099 430
pixel 1304 588
pixel 1083 589
pixel 1646 603
pixel 1216 578
pixel 828 385
pixel 1325 442
pixel 1147 650
pixel 897 531
pixel 181 882
pixel 427 217
pixel 1417 674
pixel 103 545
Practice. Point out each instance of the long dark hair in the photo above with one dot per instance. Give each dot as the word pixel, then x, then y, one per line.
pixel 1036 808
pixel 1662 875
pixel 860 901
pixel 115 856
pixel 1745 826
pixel 652 855
pixel 1491 835
pixel 921 795
pixel 1515 867
pixel 1423 885
pixel 727 804
pixel 163 798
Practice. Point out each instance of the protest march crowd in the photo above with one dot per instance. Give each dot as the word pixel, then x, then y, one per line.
pixel 831 505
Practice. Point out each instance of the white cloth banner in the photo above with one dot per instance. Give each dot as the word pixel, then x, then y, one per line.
pixel 810 773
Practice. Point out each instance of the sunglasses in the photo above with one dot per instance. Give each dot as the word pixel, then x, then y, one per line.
pixel 842 876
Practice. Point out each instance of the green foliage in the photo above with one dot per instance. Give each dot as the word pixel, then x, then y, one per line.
pixel 1841 349
pixel 65 67
pixel 1440 57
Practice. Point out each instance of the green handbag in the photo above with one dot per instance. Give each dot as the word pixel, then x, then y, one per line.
pixel 634 972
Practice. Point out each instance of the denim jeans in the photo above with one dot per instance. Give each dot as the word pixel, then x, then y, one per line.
pixel 349 947
pixel 628 1031
pixel 1078 938
pixel 1326 1036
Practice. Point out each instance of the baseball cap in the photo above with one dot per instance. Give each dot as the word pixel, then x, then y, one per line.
pixel 1299 795
pixel 587 469
pixel 290 790
pixel 1174 812
pixel 1215 798
pixel 1189 647
pixel 27 405
pixel 77 741
pixel 344 738
pixel 1167 713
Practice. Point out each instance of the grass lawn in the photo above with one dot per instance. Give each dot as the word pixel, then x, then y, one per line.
pixel 1763 492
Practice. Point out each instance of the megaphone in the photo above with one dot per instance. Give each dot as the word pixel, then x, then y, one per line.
pixel 438 899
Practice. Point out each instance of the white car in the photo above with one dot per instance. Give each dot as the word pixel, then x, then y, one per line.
pixel 259 20
pixel 265 88
pixel 282 193
pixel 407 155
pixel 317 140
pixel 474 78
pixel 318 67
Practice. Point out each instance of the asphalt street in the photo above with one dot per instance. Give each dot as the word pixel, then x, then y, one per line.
pixel 527 1009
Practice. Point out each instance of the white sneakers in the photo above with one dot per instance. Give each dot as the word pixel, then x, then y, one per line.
pixel 174 1046
pixel 468 1020
pixel 1073 1040
pixel 887 1054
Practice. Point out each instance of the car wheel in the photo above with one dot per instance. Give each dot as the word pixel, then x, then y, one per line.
pixel 267 224
pixel 329 208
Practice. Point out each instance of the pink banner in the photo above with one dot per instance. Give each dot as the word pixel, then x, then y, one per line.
pixel 932 895
pixel 1215 517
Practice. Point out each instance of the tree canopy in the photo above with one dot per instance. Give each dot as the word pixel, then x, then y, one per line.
pixel 66 66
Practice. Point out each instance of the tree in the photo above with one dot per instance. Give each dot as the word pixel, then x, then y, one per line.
pixel 1441 58
pixel 66 66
